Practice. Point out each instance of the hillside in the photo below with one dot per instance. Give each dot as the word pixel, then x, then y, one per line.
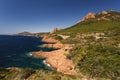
pixel 96 40
pixel 38 35
pixel 102 21
pixel 31 74
pixel 24 34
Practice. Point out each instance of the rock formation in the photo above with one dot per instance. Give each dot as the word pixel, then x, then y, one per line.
pixel 55 30
pixel 56 58
pixel 104 12
pixel 88 16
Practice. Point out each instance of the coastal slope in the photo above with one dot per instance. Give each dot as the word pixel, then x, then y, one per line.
pixel 56 58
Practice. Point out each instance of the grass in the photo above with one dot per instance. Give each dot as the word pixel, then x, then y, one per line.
pixel 90 27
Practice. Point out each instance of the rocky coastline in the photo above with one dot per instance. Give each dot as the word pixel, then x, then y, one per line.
pixel 56 59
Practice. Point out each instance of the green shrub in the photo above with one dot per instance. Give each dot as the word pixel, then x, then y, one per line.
pixel 97 60
pixel 27 72
pixel 99 26
pixel 58 38
pixel 3 73
pixel 70 41
pixel 90 38
pixel 31 74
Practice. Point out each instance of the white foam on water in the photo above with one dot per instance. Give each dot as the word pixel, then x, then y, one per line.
pixel 46 63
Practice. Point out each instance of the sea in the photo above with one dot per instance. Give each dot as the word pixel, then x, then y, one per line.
pixel 15 52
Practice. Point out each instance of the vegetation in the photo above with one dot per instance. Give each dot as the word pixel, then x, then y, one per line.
pixel 94 25
pixel 30 74
pixel 98 60
pixel 96 57
pixel 99 26
pixel 57 37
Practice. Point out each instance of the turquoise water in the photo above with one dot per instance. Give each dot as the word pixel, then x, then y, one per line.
pixel 15 50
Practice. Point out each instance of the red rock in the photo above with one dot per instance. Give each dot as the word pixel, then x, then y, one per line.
pixel 88 16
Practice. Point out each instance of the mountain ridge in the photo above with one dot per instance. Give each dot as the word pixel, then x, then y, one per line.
pixel 94 22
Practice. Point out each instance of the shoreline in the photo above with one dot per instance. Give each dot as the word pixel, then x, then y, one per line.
pixel 60 64
pixel 56 59
pixel 46 63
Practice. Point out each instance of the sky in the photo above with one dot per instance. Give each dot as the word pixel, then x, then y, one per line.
pixel 44 15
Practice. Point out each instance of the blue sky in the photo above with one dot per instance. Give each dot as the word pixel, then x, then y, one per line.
pixel 43 15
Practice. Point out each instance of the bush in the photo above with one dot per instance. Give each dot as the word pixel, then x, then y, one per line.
pixel 3 73
pixel 90 38
pixel 27 72
pixel 97 60
pixel 58 38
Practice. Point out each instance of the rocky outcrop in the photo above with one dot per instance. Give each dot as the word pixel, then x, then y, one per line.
pixel 103 18
pixel 88 16
pixel 58 61
pixel 55 30
pixel 56 45
pixel 56 58
pixel 53 43
pixel 104 12
pixel 93 16
pixel 49 40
